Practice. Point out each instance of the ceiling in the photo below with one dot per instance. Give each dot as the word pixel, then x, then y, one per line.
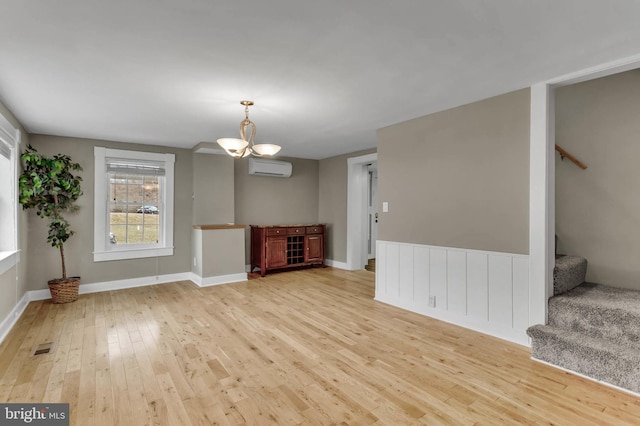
pixel 324 75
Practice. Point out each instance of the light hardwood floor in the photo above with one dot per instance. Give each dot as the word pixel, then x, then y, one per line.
pixel 299 347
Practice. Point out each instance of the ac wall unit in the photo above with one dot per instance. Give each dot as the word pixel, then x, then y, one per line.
pixel 273 168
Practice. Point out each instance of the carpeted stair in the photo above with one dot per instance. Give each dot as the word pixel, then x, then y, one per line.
pixel 569 272
pixel 592 329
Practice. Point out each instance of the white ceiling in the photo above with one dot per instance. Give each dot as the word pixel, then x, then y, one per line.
pixel 324 75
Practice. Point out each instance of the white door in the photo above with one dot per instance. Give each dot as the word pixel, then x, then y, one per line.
pixel 372 210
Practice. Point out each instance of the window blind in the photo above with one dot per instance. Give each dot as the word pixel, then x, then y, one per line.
pixel 125 166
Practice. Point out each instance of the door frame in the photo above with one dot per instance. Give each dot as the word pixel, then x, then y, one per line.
pixel 372 209
pixel 357 176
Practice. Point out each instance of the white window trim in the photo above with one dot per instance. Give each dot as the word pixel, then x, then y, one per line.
pixel 11 135
pixel 103 250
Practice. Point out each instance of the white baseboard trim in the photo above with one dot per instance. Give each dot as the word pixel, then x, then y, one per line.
pixel 117 285
pixel 11 319
pixel 220 279
pixel 478 325
pixel 336 264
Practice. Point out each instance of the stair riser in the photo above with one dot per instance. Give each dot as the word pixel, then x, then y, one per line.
pixel 569 272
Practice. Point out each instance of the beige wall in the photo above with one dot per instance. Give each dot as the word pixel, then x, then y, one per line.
pixel 13 283
pixel 598 209
pixel 459 178
pixel 222 252
pixel 78 250
pixel 213 189
pixel 262 200
pixel 333 202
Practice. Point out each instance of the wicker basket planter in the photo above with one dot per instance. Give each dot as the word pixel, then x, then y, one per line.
pixel 64 290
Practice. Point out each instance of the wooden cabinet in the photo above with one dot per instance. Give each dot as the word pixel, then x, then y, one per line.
pixel 276 252
pixel 286 246
pixel 314 248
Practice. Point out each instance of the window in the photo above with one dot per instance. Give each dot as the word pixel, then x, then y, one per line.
pixel 9 143
pixel 133 214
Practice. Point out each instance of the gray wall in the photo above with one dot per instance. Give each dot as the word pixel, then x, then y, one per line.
pixel 598 209
pixel 13 283
pixel 213 189
pixel 333 202
pixel 261 200
pixel 459 178
pixel 78 250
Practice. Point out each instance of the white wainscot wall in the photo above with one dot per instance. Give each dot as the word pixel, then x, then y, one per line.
pixel 484 291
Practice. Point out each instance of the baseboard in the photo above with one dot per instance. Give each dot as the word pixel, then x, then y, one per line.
pixel 11 319
pixel 220 279
pixel 118 285
pixel 627 391
pixel 474 324
pixel 336 264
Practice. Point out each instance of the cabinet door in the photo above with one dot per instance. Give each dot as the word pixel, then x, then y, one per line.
pixel 276 252
pixel 314 248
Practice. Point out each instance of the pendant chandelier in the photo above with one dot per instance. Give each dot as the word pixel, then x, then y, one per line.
pixel 244 146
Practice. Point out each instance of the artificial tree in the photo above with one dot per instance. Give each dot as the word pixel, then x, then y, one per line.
pixel 49 185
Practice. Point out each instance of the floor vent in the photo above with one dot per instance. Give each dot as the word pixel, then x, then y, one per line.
pixel 44 348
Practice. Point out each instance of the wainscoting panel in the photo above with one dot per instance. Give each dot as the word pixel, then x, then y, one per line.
pixel 437 276
pixel 456 281
pixel 406 272
pixel 484 291
pixel 421 274
pixel 500 289
pixel 478 285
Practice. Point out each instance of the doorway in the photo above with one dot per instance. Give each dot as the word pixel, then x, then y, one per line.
pixel 372 215
pixel 542 181
pixel 359 239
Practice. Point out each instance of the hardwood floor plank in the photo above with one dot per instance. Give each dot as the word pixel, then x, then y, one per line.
pixel 301 347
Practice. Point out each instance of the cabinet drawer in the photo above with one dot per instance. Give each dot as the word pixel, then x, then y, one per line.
pixel 295 231
pixel 276 231
pixel 314 229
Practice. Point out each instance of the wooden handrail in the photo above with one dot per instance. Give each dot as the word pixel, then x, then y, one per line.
pixel 573 159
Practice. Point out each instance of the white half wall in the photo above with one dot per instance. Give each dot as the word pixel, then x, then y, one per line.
pixel 480 290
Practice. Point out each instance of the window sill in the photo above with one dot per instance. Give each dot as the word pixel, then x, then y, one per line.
pixel 8 259
pixel 104 256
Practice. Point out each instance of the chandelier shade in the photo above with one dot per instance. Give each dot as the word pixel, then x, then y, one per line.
pixel 266 149
pixel 243 147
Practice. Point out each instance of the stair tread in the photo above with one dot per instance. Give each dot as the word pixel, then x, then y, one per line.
pixel 601 297
pixel 598 311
